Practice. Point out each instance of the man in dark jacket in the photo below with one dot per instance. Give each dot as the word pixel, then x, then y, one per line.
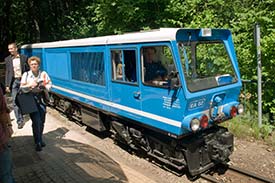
pixel 16 65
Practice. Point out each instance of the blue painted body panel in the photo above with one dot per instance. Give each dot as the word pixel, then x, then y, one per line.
pixel 169 110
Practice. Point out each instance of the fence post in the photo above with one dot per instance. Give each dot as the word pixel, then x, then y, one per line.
pixel 259 72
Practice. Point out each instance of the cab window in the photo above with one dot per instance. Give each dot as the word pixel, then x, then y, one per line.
pixel 157 63
pixel 206 65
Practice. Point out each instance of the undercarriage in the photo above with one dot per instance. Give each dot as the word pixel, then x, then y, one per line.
pixel 196 153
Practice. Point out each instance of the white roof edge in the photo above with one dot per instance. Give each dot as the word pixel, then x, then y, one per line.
pixel 162 34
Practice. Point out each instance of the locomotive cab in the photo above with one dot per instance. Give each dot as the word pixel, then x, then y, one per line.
pixel 211 78
pixel 211 83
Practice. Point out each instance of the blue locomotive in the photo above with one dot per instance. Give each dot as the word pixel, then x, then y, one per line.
pixel 163 91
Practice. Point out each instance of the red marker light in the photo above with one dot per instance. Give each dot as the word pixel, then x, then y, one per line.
pixel 233 111
pixel 204 121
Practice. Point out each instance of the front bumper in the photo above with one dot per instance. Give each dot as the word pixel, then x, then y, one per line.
pixel 203 151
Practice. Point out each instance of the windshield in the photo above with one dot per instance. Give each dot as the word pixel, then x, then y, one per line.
pixel 206 65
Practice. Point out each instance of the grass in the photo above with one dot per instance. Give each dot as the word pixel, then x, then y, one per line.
pixel 246 126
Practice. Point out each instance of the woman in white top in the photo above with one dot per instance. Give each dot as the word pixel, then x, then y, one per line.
pixel 39 83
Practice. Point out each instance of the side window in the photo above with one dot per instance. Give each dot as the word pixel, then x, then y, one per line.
pixel 124 65
pixel 88 67
pixel 157 63
pixel 117 73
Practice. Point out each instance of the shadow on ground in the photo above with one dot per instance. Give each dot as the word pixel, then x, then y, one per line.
pixel 62 160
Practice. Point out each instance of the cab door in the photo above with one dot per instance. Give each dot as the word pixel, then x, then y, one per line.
pixel 125 91
pixel 163 104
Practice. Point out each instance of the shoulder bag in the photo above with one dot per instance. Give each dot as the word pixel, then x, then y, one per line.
pixel 26 101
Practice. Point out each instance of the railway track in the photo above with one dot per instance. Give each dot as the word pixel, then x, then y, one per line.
pixel 241 171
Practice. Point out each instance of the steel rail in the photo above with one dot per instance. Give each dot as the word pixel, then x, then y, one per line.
pixel 209 178
pixel 251 174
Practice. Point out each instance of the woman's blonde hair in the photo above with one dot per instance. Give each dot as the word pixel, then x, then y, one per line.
pixel 34 58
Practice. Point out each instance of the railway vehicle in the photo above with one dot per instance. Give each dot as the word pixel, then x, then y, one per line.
pixel 174 115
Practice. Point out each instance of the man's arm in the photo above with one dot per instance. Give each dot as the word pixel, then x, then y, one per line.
pixel 7 74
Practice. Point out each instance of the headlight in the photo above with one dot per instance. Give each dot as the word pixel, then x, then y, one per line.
pixel 195 124
pixel 240 109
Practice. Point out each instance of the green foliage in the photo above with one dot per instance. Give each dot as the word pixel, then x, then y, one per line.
pixel 246 126
pixel 127 15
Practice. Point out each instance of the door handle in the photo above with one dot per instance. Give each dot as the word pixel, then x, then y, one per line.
pixel 137 95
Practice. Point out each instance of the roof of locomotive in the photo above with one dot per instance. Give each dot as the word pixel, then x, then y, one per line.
pixel 162 34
